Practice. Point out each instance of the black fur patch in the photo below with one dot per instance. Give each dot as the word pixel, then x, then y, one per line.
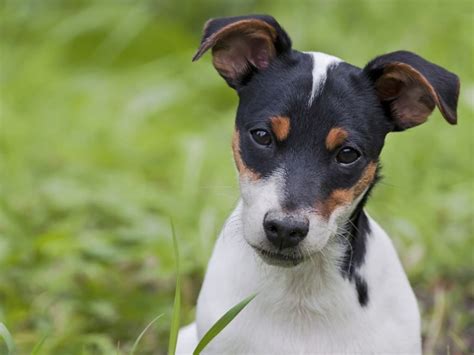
pixel 358 230
pixel 362 290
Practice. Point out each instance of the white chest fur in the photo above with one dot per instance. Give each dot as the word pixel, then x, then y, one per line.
pixel 310 308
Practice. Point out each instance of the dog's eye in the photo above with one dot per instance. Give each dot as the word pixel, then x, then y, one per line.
pixel 347 155
pixel 262 137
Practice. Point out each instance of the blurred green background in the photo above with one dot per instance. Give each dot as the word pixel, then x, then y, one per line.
pixel 108 130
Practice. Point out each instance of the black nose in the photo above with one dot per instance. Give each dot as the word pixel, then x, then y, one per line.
pixel 285 232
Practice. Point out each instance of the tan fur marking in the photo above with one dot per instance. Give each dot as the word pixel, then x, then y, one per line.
pixel 367 177
pixel 341 197
pixel 280 127
pixel 337 198
pixel 335 138
pixel 241 167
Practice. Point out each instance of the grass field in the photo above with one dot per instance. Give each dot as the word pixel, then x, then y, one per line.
pixel 108 130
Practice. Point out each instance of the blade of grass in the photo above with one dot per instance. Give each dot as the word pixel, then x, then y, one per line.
pixel 174 329
pixel 221 324
pixel 135 345
pixel 117 350
pixel 7 337
pixel 39 345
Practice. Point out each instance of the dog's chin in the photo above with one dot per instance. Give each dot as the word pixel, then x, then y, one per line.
pixel 275 258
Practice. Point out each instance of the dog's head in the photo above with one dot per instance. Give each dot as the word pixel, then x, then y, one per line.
pixel 310 128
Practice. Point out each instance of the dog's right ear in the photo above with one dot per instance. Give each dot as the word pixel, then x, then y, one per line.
pixel 242 45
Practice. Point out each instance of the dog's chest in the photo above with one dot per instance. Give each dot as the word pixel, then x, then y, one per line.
pixel 297 332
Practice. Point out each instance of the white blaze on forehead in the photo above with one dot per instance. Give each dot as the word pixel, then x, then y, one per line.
pixel 321 63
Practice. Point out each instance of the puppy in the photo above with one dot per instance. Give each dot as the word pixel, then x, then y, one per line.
pixel 308 135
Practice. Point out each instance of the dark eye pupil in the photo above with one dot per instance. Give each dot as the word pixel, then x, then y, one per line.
pixel 347 155
pixel 262 137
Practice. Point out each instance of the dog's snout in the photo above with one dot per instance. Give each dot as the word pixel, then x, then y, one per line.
pixel 285 231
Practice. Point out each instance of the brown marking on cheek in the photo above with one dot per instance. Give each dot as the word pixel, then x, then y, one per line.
pixel 335 138
pixel 241 167
pixel 366 179
pixel 342 197
pixel 337 198
pixel 280 127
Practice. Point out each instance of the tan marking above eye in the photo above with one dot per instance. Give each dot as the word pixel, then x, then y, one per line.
pixel 280 127
pixel 342 197
pixel 241 167
pixel 336 137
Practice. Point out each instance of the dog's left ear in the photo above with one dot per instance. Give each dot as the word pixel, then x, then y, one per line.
pixel 242 45
pixel 410 87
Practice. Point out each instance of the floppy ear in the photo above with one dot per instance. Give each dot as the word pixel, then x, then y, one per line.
pixel 242 44
pixel 410 87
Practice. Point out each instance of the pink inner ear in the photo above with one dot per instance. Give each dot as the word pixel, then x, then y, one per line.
pixel 260 52
pixel 239 45
pixel 261 59
pixel 235 53
pixel 414 105
pixel 231 61
pixel 412 97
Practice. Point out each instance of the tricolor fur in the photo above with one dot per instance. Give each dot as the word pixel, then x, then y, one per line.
pixel 308 135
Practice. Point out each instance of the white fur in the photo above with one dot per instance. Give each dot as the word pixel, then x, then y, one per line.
pixel 307 309
pixel 321 63
pixel 258 198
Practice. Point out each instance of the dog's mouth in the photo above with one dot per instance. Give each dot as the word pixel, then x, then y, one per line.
pixel 279 259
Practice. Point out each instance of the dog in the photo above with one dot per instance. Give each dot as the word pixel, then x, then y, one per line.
pixel 308 134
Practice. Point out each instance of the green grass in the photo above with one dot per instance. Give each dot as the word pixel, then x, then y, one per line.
pixel 37 348
pixel 174 328
pixel 140 336
pixel 107 129
pixel 7 339
pixel 221 324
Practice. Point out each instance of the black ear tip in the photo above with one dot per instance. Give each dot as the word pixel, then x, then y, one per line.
pixel 201 50
pixel 449 114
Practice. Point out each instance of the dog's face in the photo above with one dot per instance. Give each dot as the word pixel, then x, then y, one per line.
pixel 306 146
pixel 310 128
